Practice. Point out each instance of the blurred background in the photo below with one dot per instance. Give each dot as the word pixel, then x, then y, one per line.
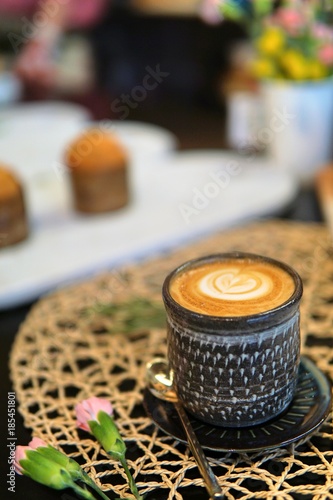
pixel 175 81
pixel 98 58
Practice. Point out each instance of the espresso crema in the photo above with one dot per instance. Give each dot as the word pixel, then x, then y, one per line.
pixel 235 287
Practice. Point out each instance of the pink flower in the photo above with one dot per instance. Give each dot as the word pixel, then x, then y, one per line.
pixel 290 19
pixel 46 465
pixel 209 11
pixel 325 54
pixel 36 443
pixel 322 31
pixel 88 410
pixel 20 452
pixel 94 415
pixel 20 455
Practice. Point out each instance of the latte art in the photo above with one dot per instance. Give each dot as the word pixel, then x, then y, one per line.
pixel 235 284
pixel 235 287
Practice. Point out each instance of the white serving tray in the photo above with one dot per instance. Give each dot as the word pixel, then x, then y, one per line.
pixel 175 198
pixel 33 137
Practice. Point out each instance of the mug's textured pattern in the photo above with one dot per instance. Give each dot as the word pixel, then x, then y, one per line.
pixel 61 356
pixel 235 380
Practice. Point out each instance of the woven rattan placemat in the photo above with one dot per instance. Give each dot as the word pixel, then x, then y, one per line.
pixel 94 338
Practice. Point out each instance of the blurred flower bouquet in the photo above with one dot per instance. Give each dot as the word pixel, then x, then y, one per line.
pixel 292 59
pixel 292 39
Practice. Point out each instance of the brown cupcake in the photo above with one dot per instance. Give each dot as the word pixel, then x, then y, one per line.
pixel 98 166
pixel 13 217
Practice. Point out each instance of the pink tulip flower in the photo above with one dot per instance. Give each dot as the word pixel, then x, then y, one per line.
pixel 88 410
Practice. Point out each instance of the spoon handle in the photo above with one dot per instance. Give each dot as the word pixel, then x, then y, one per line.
pixel 213 488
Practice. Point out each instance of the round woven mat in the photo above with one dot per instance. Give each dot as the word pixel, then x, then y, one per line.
pixel 94 338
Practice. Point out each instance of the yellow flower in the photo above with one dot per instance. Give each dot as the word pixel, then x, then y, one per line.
pixel 263 68
pixel 271 41
pixel 317 70
pixel 295 65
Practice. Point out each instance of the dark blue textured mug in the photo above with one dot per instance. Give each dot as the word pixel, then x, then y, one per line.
pixel 233 337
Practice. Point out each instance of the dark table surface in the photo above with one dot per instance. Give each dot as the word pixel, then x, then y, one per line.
pixel 304 208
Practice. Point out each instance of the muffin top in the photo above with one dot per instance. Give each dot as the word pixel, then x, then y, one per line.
pixel 9 184
pixel 95 149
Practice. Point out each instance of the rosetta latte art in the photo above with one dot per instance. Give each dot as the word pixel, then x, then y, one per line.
pixel 234 287
pixel 235 284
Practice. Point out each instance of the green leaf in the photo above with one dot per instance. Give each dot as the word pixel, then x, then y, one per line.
pixel 136 314
pixel 262 7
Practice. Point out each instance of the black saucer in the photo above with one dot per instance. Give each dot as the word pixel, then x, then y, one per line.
pixel 308 410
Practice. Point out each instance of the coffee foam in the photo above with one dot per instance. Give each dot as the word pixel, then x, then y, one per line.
pixel 235 287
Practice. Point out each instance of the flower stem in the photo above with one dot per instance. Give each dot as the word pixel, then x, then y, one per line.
pixel 83 493
pixel 131 481
pixel 87 479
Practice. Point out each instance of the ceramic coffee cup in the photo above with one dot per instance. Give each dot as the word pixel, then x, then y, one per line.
pixel 233 337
